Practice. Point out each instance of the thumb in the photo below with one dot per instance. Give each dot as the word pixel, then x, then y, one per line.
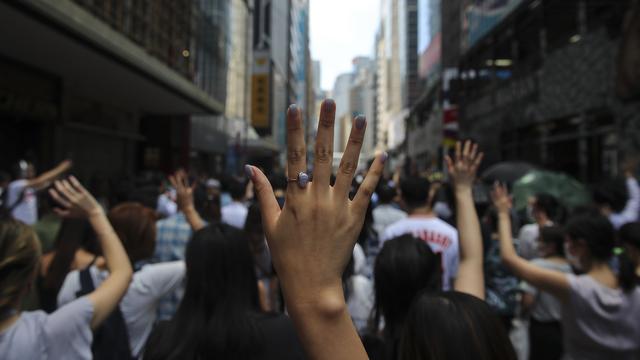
pixel 269 207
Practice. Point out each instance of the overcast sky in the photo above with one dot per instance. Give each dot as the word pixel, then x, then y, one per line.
pixel 340 31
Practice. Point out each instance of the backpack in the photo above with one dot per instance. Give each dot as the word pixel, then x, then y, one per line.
pixel 111 338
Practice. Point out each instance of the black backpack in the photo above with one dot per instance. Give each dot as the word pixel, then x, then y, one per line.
pixel 111 339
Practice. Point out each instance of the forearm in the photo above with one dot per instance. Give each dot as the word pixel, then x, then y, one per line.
pixel 193 218
pixel 470 277
pixel 45 178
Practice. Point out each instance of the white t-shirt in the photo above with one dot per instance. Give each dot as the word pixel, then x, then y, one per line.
pixel 234 214
pixel 385 215
pixel 27 210
pixel 441 237
pixel 140 303
pixel 360 301
pixel 64 334
pixel 166 206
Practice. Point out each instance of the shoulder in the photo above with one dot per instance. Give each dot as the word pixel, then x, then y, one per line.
pixel 18 184
pixel 446 228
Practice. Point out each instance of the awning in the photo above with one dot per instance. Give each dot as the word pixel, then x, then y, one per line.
pixel 92 59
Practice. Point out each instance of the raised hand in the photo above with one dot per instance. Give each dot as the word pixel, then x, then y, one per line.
pixel 500 197
pixel 184 191
pixel 467 160
pixel 311 239
pixel 74 200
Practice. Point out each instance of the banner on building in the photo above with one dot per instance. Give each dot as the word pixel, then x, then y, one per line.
pixel 260 90
pixel 480 16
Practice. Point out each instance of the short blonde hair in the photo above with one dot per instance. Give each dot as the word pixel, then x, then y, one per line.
pixel 19 257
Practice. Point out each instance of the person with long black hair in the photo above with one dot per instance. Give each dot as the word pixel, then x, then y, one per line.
pixel 220 316
pixel 599 308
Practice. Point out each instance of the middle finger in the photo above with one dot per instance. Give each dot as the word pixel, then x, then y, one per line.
pixel 296 149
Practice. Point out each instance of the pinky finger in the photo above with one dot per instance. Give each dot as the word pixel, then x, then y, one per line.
pixel 60 212
pixel 363 196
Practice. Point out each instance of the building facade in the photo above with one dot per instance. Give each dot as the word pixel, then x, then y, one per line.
pixel 110 82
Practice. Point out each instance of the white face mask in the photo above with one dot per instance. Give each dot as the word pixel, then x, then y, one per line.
pixel 573 260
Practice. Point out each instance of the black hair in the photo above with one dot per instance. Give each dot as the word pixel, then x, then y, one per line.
pixel 74 234
pixel 405 266
pixel 453 325
pixel 216 317
pixel 553 235
pixel 599 236
pixel 548 204
pixel 611 192
pixel 236 189
pixel 629 234
pixel 415 191
pixel 386 194
pixel 4 177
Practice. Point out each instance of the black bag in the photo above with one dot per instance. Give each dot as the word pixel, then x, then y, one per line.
pixel 111 339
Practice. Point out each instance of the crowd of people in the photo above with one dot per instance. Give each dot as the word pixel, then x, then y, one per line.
pixel 350 264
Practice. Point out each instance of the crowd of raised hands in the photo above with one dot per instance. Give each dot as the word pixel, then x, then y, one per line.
pixel 311 240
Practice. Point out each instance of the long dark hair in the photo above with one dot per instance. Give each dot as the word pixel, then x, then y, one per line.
pixel 215 319
pixel 73 235
pixel 453 325
pixel 599 236
pixel 404 267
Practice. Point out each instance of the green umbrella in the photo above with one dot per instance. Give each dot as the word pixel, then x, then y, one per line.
pixel 569 191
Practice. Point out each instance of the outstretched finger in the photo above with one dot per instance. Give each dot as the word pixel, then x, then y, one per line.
pixel 349 162
pixel 363 196
pixel 269 207
pixel 323 156
pixel 77 186
pixel 477 162
pixel 449 162
pixel 458 152
pixel 296 148
pixel 59 199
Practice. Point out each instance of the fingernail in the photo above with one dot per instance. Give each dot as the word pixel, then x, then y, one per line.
pixel 328 104
pixel 292 109
pixel 248 171
pixel 360 121
pixel 383 157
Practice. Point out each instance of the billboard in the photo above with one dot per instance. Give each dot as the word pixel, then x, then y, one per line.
pixel 260 89
pixel 480 16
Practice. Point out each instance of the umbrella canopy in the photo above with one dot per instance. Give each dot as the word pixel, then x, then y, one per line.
pixel 507 172
pixel 569 191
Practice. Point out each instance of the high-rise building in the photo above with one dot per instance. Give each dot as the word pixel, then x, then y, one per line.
pixel 112 82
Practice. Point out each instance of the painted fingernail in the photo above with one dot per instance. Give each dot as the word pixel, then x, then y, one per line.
pixel 293 108
pixel 383 157
pixel 328 104
pixel 361 120
pixel 248 171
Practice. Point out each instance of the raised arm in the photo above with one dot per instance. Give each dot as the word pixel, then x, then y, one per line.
pixel 184 194
pixel 76 201
pixel 312 238
pixel 43 180
pixel 470 278
pixel 550 281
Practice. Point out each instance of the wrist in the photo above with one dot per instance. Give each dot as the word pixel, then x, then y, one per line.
pixel 96 213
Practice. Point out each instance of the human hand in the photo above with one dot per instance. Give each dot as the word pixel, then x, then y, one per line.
pixel 312 238
pixel 501 199
pixel 463 169
pixel 184 191
pixel 74 200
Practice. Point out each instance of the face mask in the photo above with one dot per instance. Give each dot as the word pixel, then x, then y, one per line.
pixel 573 260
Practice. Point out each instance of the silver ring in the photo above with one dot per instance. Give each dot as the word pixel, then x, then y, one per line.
pixel 302 179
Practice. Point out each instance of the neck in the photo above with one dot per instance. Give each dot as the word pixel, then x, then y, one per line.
pixel 422 211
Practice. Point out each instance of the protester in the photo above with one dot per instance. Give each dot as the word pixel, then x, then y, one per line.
pixel 425 225
pixel 597 307
pixel 66 333
pixel 220 314
pixel 75 248
pixel 235 213
pixel 545 212
pixel 135 225
pixel 386 212
pixel 545 329
pixel 22 200
pixel 166 205
pixel 619 200
pixel 629 235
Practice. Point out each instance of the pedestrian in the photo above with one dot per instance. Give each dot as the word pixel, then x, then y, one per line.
pixel 67 332
pixel 235 213
pixel 425 225
pixel 545 212
pixel 386 212
pixel 22 200
pixel 545 311
pixel 135 226
pixel 598 307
